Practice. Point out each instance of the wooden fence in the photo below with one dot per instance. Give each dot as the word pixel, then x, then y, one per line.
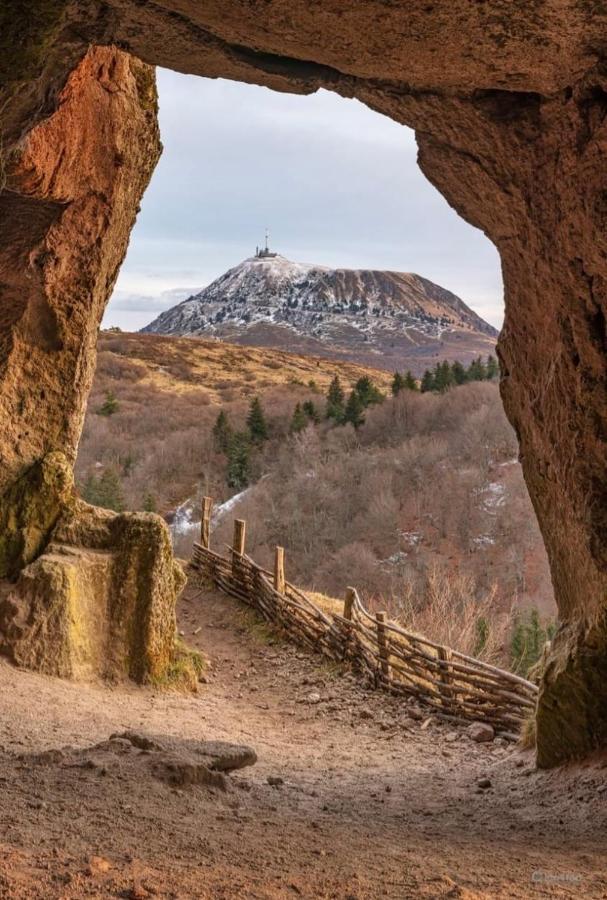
pixel 457 686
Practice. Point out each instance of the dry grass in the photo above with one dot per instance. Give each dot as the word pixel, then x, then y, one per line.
pixel 450 613
pixel 169 391
pixel 183 365
pixel 450 609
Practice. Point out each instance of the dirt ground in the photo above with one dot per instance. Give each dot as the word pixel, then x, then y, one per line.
pixel 367 797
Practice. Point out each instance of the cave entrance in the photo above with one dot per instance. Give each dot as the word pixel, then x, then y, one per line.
pixel 511 135
pixel 330 176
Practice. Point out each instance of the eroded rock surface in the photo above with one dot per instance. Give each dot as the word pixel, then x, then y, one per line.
pixel 93 593
pixel 509 101
pixel 99 598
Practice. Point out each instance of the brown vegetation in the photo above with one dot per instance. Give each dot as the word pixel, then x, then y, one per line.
pixel 423 508
pixel 168 393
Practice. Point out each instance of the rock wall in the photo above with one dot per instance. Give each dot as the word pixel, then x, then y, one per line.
pixel 99 600
pixel 509 101
pixel 92 593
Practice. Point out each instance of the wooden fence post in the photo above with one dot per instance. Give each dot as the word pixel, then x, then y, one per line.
pixel 279 570
pixel 348 612
pixel 205 522
pixel 240 527
pixel 382 644
pixel 444 677
pixel 349 603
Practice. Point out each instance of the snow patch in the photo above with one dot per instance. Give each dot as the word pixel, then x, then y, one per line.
pixel 186 519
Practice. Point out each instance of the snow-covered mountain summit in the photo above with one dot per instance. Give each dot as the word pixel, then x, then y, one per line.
pixel 362 314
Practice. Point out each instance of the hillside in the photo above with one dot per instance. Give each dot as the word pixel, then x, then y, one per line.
pixel 168 393
pixel 425 497
pixel 384 319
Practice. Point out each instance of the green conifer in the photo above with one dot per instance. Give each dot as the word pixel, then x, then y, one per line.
pixel 222 433
pixel 443 377
pixel 311 412
pixel 410 382
pixel 110 405
pixel 335 401
pixel 368 392
pixel 427 382
pixel 492 368
pixel 477 370
pixel 398 384
pixel 354 410
pixel 109 491
pixel 256 422
pixel 239 461
pixel 458 373
pixel 299 420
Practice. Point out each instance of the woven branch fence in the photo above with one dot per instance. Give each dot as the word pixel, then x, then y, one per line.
pixel 457 686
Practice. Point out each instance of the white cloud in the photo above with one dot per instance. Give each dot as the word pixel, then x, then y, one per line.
pixel 336 183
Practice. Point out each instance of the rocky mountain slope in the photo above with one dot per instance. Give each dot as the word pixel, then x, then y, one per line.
pixel 385 319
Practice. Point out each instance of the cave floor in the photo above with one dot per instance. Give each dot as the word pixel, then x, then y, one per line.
pixel 375 801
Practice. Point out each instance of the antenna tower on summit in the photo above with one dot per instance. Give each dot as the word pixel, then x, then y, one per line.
pixel 265 252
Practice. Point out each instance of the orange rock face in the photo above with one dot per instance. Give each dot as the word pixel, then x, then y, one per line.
pixel 73 188
pixel 509 101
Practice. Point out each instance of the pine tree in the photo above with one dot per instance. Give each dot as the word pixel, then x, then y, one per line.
pixel 368 392
pixel 299 420
pixel 109 491
pixel 427 382
pixel 354 410
pixel 458 372
pixel 398 384
pixel 256 422
pixel 492 368
pixel 222 433
pixel 443 378
pixel 110 405
pixel 410 382
pixel 477 370
pixel 335 401
pixel 239 461
pixel 90 491
pixel 311 412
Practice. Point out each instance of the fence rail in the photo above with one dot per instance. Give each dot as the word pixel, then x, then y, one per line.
pixel 457 686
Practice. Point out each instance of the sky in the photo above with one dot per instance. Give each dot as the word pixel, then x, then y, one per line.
pixel 334 182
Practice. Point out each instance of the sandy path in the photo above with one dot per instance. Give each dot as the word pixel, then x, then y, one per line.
pixel 375 802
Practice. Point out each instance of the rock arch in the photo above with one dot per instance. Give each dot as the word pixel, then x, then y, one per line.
pixel 509 101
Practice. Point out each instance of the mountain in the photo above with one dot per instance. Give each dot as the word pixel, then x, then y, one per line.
pixel 385 319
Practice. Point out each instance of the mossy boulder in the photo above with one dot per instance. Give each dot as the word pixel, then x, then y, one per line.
pixel 30 509
pixel 91 592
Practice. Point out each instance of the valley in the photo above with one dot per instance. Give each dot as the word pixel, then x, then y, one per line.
pixel 422 507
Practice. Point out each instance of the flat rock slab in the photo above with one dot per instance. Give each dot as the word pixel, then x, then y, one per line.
pixel 219 756
pixel 173 760
pixel 224 757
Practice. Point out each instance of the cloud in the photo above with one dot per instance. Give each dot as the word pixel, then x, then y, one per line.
pixel 124 302
pixel 336 183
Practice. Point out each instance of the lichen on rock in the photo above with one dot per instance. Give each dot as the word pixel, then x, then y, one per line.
pixel 99 601
pixel 30 509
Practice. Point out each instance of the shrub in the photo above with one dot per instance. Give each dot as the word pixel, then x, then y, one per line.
pixel 528 640
pixel 110 405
